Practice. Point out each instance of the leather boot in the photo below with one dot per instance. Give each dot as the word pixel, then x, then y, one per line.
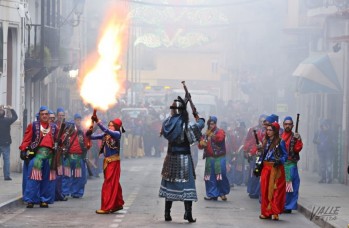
pixel 168 205
pixel 188 215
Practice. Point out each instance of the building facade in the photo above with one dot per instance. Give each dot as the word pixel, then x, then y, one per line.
pixel 38 48
pixel 321 29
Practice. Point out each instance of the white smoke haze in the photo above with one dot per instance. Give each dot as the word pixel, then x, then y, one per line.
pixel 242 52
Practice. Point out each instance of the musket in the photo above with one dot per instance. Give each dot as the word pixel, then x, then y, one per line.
pixel 297 122
pixel 55 146
pixel 255 136
pixel 258 165
pixel 188 98
pixel 85 150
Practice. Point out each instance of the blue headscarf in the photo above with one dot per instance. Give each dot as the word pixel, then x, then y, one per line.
pixel 288 118
pixel 270 119
pixel 43 108
pixel 276 117
pixel 212 119
pixel 60 109
pixel 77 116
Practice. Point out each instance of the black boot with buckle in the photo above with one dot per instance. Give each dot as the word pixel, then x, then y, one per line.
pixel 168 205
pixel 188 215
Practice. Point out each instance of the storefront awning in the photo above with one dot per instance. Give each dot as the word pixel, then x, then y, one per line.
pixel 319 74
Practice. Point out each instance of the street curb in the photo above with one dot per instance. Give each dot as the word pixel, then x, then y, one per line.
pixel 308 214
pixel 15 202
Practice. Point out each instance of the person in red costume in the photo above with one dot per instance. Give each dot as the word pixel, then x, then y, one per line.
pixel 39 178
pixel 294 145
pixel 273 155
pixel 75 171
pixel 112 199
pixel 250 148
pixel 213 143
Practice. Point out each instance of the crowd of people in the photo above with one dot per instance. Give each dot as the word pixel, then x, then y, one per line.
pixel 271 152
pixel 59 156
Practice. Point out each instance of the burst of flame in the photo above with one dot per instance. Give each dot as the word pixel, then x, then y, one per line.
pixel 101 85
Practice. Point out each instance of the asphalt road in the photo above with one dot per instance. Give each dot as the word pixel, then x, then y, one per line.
pixel 143 208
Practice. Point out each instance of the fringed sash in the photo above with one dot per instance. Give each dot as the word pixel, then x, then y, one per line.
pixel 288 166
pixel 42 153
pixel 67 166
pixel 217 168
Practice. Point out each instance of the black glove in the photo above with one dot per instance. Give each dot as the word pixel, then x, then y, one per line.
pixel 23 155
pixel 88 133
pixel 277 163
pixel 94 118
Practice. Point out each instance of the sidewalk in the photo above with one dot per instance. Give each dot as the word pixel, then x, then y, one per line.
pixel 327 205
pixel 10 191
pixel 330 202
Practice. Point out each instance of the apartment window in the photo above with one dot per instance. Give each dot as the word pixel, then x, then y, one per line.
pixel 1 48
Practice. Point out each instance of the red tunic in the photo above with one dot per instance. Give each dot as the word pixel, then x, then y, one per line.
pixel 298 145
pixel 75 145
pixel 250 141
pixel 47 140
pixel 218 138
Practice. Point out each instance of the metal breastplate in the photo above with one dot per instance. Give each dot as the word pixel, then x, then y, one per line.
pixel 193 133
pixel 176 168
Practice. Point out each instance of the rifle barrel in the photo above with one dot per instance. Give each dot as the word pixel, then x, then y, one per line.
pixel 297 123
pixel 255 136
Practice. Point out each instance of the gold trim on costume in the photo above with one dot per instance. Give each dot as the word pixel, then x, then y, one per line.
pixel 109 159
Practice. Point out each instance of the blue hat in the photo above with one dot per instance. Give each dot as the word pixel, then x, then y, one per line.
pixel 37 116
pixel 77 116
pixel 50 112
pixel 60 109
pixel 270 119
pixel 263 116
pixel 288 118
pixel 276 117
pixel 212 119
pixel 43 108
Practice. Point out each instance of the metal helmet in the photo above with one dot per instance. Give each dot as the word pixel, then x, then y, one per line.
pixel 178 106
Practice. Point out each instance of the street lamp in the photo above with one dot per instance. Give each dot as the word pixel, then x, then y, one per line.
pixel 73 73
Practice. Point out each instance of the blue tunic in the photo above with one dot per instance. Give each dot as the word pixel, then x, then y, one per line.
pixel 183 189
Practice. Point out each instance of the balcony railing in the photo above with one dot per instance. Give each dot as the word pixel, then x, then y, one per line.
pixel 46 53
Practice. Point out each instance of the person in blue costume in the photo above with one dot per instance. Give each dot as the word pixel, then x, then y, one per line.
pixel 40 178
pixel 59 196
pixel 215 176
pixel 75 171
pixel 250 148
pixel 294 145
pixel 178 173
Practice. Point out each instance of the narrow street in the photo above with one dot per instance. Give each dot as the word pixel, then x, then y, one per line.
pixel 143 208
